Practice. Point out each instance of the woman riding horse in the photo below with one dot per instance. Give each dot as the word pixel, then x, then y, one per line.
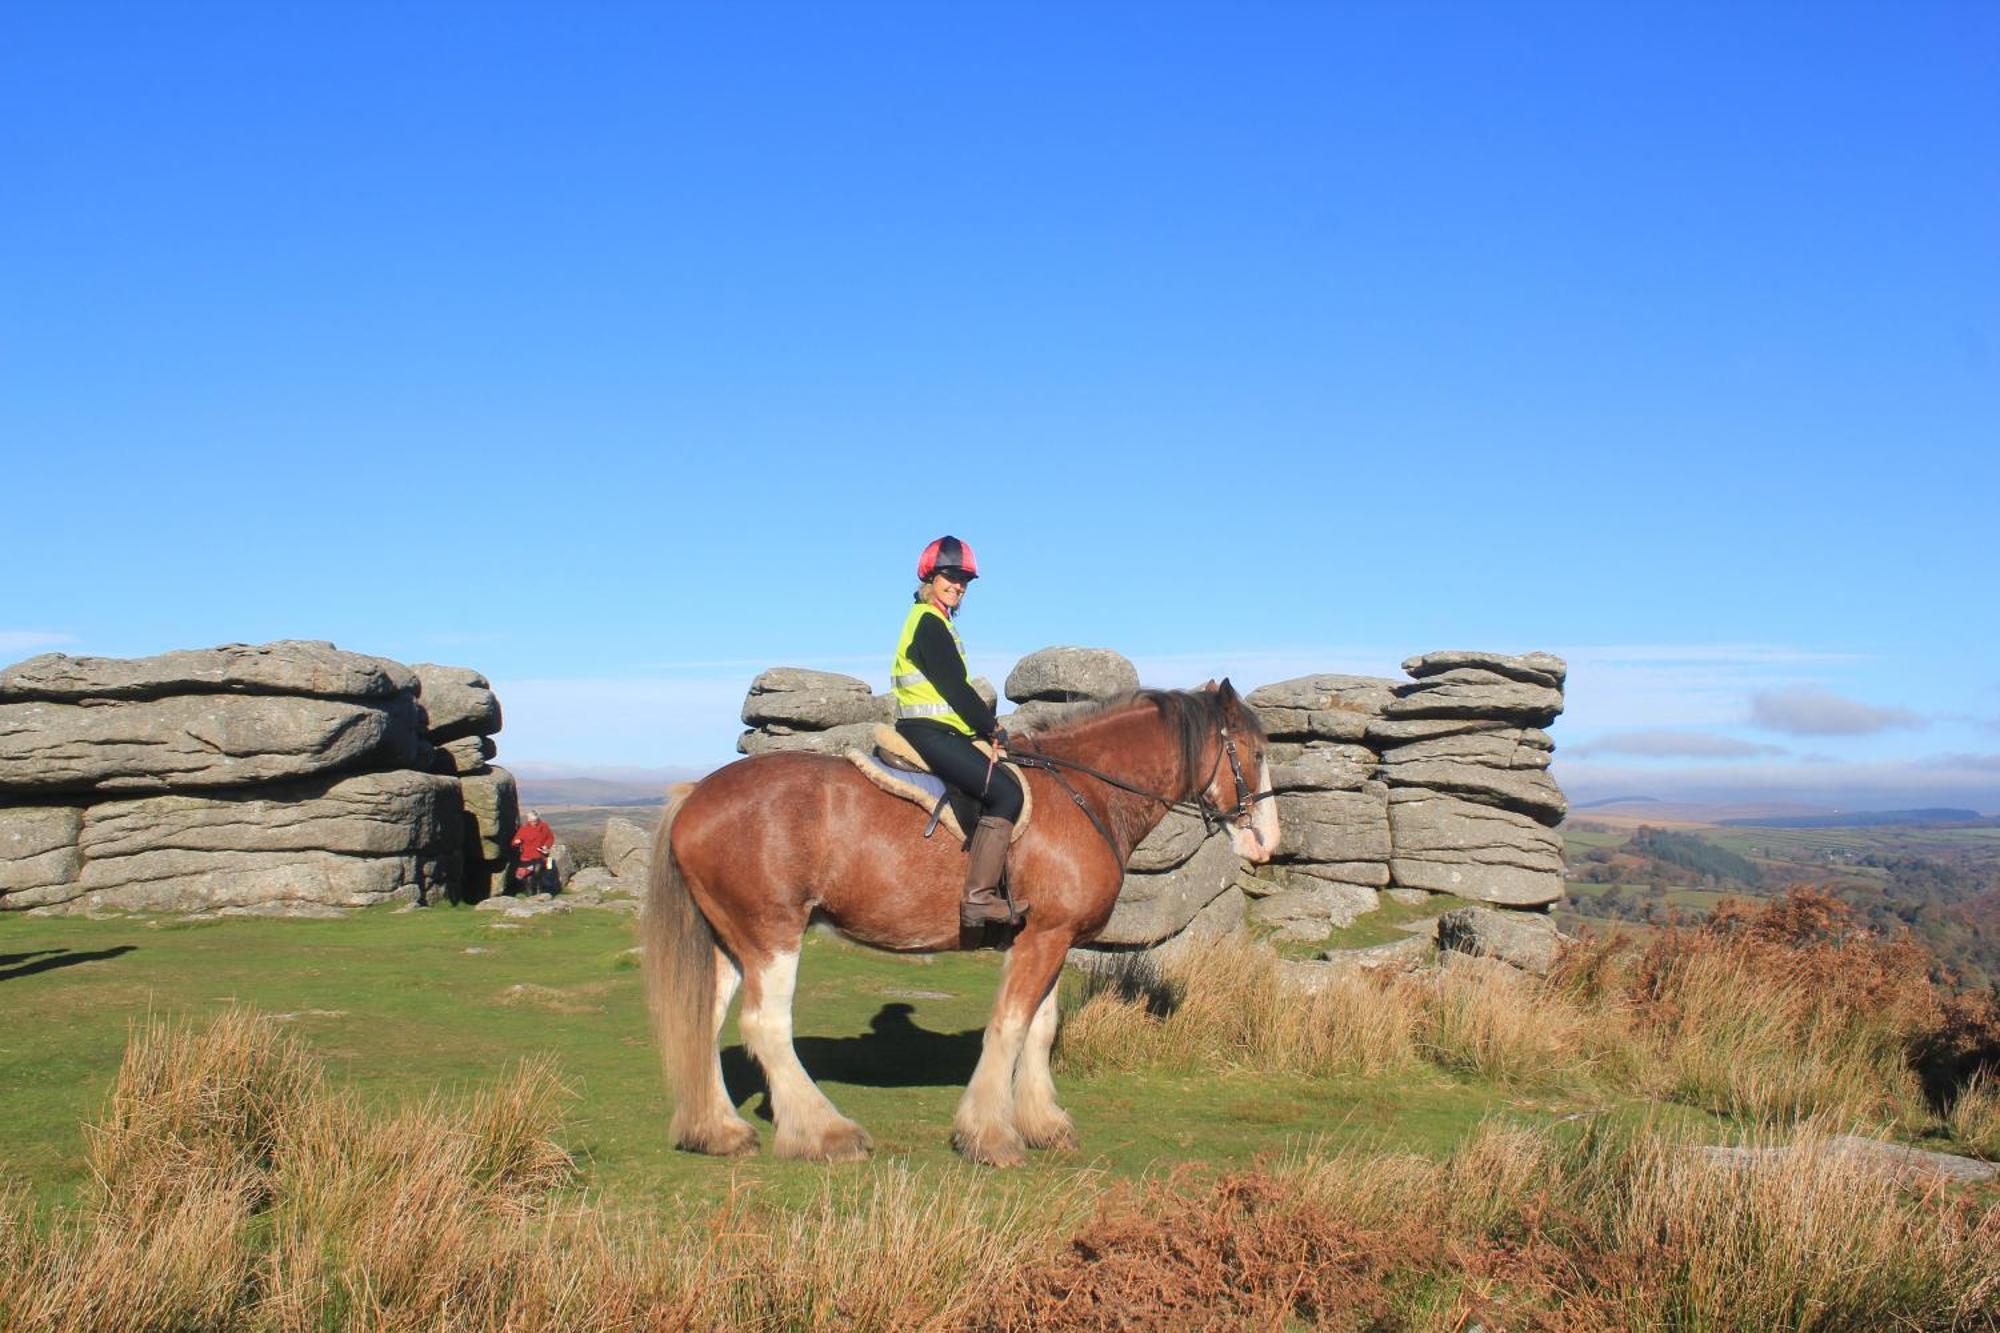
pixel 757 850
pixel 939 714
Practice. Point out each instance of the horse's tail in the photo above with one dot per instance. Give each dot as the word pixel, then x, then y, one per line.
pixel 680 977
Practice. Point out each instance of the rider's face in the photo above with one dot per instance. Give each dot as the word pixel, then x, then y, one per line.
pixel 947 592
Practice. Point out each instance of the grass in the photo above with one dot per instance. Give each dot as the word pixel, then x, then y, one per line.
pixel 390 1003
pixel 236 1189
pixel 437 1122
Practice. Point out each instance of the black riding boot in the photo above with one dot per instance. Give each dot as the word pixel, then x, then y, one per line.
pixel 984 904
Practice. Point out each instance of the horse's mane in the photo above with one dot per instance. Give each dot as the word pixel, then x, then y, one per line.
pixel 1192 717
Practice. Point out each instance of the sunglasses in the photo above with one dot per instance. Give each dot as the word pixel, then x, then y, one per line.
pixel 957 576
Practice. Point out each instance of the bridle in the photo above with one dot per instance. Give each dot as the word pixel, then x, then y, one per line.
pixel 1213 817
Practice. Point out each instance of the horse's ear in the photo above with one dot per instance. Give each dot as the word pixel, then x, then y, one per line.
pixel 1208 686
pixel 1228 692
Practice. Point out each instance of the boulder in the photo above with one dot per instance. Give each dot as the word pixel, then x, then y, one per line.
pixel 838 740
pixel 339 842
pixel 1334 826
pixel 1321 766
pixel 1467 692
pixel 628 849
pixel 457 702
pixel 814 710
pixel 292 666
pixel 1312 913
pixel 198 740
pixel 492 807
pixel 1323 707
pixel 594 879
pixel 1153 907
pixel 1175 839
pixel 1527 940
pixel 467 754
pixel 1449 845
pixel 1531 668
pixel 1063 675
pixel 38 848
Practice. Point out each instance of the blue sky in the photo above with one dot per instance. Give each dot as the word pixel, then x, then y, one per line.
pixel 622 350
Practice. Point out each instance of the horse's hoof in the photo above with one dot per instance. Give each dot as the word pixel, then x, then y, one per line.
pixel 841 1142
pixel 990 1147
pixel 729 1138
pixel 1056 1138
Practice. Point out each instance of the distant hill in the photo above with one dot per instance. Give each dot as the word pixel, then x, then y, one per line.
pixel 1617 800
pixel 590 791
pixel 1864 819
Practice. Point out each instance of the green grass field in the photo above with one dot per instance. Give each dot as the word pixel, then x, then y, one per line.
pixel 400 1004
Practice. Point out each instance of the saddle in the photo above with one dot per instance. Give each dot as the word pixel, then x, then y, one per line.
pixel 899 770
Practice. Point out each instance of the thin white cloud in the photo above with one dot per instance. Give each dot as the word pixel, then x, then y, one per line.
pixel 622 721
pixel 1675 745
pixel 1804 710
pixel 29 640
pixel 1965 781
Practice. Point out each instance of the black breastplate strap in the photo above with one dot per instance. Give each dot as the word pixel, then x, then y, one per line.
pixel 1036 761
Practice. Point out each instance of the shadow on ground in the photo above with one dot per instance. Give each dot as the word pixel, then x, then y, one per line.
pixel 893 1053
pixel 48 960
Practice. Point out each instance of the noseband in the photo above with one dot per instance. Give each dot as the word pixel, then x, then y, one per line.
pixel 1213 817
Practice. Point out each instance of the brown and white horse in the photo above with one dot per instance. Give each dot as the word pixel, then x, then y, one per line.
pixel 746 859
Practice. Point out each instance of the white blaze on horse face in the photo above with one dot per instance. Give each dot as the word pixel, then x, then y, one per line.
pixel 1259 841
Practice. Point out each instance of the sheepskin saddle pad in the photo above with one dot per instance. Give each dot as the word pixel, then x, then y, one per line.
pixel 899 770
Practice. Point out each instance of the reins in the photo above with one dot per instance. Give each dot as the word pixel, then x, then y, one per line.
pixel 1212 816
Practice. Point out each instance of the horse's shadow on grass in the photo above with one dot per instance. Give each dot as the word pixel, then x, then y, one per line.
pixel 47 960
pixel 893 1053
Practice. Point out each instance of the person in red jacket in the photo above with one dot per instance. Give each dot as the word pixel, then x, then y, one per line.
pixel 532 845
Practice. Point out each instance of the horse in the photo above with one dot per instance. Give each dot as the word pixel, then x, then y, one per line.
pixel 751 855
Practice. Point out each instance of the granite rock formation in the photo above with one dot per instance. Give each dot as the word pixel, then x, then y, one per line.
pixel 288 776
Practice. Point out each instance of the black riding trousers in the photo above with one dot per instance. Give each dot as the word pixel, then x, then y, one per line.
pixel 953 757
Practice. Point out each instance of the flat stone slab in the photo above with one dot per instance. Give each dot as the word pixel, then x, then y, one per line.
pixel 1913 1167
pixel 1532 668
pixel 290 666
pixel 1470 693
pixel 198 740
pixel 792 680
pixel 1321 766
pixel 1321 707
pixel 815 710
pixel 834 740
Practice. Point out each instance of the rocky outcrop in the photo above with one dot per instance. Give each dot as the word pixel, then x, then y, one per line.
pixel 281 776
pixel 1438 783
pixel 308 668
pixel 197 740
pixel 1153 908
pixel 820 712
